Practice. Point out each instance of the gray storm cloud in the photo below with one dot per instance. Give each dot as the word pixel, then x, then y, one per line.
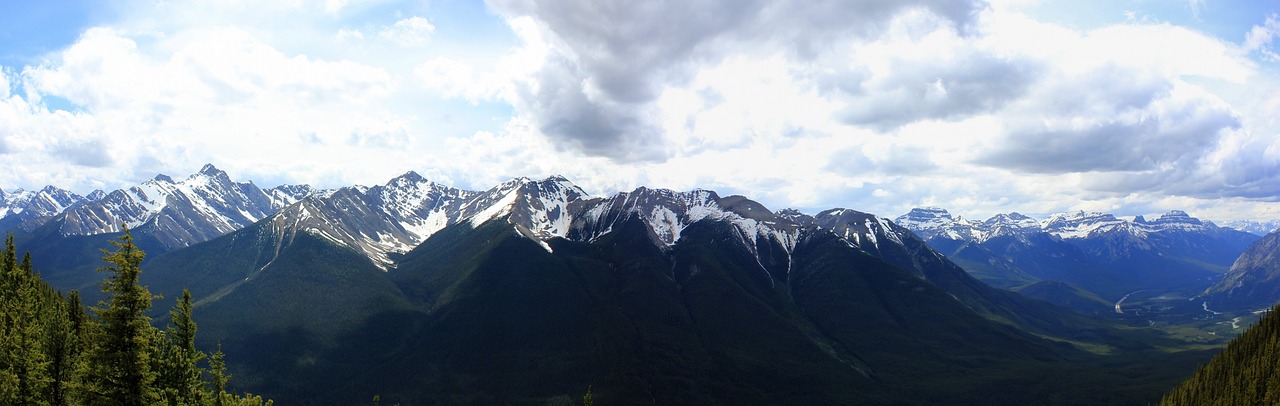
pixel 1109 120
pixel 596 96
pixel 970 84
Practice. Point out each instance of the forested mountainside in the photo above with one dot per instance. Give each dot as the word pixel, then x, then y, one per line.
pixel 1247 372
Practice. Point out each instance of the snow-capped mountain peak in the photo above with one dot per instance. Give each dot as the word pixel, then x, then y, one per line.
pixel 29 209
pixel 542 207
pixel 210 171
pixel 397 216
pixel 379 220
pixel 935 222
pixel 930 222
pixel 1081 224
pixel 206 204
pixel 1007 224
pixel 668 213
pixel 285 195
pixel 1177 220
pixel 925 218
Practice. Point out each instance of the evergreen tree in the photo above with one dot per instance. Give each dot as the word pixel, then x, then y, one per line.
pixel 219 395
pixel 218 372
pixel 22 355
pixel 65 342
pixel 56 346
pixel 8 321
pixel 179 378
pixel 119 371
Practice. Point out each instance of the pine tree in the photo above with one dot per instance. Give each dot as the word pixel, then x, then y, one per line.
pixel 65 342
pixel 179 378
pixel 56 346
pixel 9 310
pixel 218 372
pixel 120 369
pixel 22 355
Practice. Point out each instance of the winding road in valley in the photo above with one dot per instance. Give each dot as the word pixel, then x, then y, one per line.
pixel 1121 301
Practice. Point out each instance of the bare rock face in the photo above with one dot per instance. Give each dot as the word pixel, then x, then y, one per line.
pixel 1254 280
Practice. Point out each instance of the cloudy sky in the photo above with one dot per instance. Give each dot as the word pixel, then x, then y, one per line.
pixel 1036 106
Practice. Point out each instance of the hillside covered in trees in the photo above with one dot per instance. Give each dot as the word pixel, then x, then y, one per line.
pixel 54 352
pixel 1247 372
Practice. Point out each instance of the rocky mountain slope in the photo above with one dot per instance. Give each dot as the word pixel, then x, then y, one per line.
pixel 1254 279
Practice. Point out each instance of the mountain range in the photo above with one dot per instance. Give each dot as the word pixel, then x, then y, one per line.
pixel 1103 254
pixel 533 290
pixel 1259 228
pixel 26 210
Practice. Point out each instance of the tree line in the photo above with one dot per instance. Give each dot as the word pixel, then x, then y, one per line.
pixel 55 352
pixel 1247 372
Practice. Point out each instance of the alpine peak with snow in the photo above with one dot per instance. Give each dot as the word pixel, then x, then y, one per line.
pixel 27 210
pixel 932 222
pixel 1101 253
pixel 177 214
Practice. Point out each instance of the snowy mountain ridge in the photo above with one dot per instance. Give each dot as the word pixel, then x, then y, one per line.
pixel 205 205
pixel 386 220
pixel 391 219
pixel 28 209
pixel 1259 228
pixel 931 222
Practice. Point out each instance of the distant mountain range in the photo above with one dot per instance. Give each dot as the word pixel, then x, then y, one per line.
pixel 1102 254
pixel 529 291
pixel 25 210
pixel 1254 227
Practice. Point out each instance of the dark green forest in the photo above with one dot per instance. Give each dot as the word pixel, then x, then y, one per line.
pixel 1247 372
pixel 54 351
